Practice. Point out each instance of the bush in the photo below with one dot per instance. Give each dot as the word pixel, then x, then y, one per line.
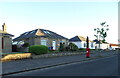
pixel 73 47
pixel 53 51
pixel 25 45
pixel 92 49
pixel 14 48
pixel 82 49
pixel 67 48
pixel 62 47
pixel 38 49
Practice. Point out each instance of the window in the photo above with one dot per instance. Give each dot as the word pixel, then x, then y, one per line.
pixel 84 45
pixel 44 42
pixel 92 45
pixel 62 41
pixel 14 43
pixel 46 32
pixel 21 42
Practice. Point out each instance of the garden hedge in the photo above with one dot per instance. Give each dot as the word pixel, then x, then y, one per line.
pixel 38 49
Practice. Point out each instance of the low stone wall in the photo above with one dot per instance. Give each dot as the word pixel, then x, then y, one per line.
pixel 9 57
pixel 57 54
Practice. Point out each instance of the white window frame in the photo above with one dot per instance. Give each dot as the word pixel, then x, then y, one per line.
pixel 44 42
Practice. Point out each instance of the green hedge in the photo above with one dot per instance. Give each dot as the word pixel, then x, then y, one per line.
pixel 38 49
pixel 73 47
pixel 82 49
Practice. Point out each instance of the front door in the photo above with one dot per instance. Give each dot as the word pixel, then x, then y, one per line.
pixel 54 45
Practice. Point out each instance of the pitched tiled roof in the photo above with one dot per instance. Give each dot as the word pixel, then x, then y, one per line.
pixel 82 38
pixel 39 33
pixel 5 33
pixel 97 41
pixel 78 38
pixel 114 44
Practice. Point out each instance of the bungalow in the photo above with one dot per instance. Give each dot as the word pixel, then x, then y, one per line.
pixel 102 45
pixel 114 46
pixel 5 40
pixel 80 41
pixel 41 37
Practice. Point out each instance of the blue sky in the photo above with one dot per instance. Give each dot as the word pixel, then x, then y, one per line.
pixel 65 18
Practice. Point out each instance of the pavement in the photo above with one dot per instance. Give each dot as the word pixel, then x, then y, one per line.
pixel 33 64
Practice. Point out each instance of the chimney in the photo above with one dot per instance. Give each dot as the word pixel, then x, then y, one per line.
pixel 4 27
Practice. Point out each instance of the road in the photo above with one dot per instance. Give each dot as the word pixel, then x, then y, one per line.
pixel 98 67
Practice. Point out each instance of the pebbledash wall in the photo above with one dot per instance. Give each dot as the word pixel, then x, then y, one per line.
pixel 55 43
pixel 5 44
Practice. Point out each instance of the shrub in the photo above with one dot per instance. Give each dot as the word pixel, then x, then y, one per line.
pixel 14 48
pixel 62 47
pixel 73 47
pixel 82 49
pixel 92 49
pixel 67 48
pixel 25 45
pixel 53 51
pixel 38 49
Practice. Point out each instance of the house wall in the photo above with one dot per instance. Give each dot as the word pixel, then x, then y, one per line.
pixel 102 46
pixel 114 47
pixel 30 41
pixel 50 42
pixel 83 44
pixel 105 46
pixel 0 43
pixel 97 46
pixel 91 45
pixel 79 44
pixel 7 44
pixel 58 41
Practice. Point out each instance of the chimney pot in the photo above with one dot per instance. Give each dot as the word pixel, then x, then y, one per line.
pixel 4 27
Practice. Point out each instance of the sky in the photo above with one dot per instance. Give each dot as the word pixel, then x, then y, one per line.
pixel 67 18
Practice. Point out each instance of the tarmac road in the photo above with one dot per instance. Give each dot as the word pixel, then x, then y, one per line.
pixel 98 67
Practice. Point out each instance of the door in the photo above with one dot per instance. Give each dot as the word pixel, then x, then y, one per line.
pixel 54 45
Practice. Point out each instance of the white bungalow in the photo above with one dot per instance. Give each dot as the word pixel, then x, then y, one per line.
pixel 81 42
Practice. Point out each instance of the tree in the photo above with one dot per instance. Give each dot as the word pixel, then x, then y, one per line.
pixel 101 33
